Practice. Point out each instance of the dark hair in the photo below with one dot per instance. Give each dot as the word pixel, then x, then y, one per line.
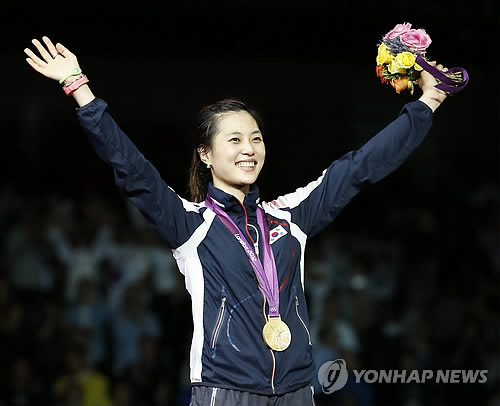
pixel 208 126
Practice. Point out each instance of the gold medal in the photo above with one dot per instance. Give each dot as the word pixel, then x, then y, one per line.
pixel 276 334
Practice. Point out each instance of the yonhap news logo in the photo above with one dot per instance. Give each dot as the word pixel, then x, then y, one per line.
pixel 333 376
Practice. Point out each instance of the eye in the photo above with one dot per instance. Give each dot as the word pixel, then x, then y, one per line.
pixel 234 139
pixel 257 138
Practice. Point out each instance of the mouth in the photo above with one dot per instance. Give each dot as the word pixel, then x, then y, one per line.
pixel 247 165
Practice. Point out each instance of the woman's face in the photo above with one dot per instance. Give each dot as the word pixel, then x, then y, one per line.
pixel 237 154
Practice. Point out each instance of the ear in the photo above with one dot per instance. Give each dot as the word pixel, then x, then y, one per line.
pixel 204 153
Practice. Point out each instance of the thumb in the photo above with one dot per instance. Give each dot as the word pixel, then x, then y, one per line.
pixel 60 48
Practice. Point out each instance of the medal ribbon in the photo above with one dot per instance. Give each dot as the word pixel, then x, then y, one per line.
pixel 452 81
pixel 266 273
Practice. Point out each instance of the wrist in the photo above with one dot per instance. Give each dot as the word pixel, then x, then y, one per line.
pixel 70 76
pixel 433 98
pixel 75 84
pixel 71 79
pixel 83 95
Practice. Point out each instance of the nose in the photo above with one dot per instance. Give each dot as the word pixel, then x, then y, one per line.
pixel 247 148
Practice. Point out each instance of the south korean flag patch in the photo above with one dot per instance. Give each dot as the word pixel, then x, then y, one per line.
pixel 276 233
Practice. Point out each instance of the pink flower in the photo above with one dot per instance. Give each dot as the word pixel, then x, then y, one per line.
pixel 416 39
pixel 398 30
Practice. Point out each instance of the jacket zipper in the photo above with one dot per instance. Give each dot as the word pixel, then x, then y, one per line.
pixel 300 318
pixel 218 325
pixel 274 369
pixel 214 394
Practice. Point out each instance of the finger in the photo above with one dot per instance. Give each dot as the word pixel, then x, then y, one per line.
pixel 62 50
pixel 50 46
pixel 43 52
pixel 34 58
pixel 34 65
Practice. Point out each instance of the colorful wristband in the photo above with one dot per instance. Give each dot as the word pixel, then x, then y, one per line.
pixel 74 72
pixel 75 85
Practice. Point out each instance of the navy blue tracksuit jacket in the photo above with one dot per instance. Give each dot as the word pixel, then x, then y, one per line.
pixel 228 307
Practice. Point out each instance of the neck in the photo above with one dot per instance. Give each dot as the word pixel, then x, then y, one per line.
pixel 238 192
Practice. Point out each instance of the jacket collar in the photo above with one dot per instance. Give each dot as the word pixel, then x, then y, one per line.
pixel 230 203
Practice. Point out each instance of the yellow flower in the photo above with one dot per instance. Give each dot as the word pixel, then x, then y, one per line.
pixel 417 67
pixel 405 59
pixel 384 56
pixel 394 67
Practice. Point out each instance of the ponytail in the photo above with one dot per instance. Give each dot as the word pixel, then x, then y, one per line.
pixel 199 176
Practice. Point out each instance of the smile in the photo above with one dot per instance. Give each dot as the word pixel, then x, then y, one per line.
pixel 246 164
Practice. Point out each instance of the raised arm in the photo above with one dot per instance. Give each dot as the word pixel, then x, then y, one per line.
pixel 314 206
pixel 171 217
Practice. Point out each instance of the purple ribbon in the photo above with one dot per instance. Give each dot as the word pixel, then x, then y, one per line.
pixel 266 273
pixel 453 81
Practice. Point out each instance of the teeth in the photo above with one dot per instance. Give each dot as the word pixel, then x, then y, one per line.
pixel 246 164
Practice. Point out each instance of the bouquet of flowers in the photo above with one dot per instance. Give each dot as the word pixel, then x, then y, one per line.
pixel 401 58
pixel 397 55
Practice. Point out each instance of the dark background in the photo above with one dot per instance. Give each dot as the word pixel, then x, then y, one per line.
pixel 309 69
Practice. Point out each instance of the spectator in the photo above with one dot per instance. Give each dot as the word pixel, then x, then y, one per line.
pixel 28 252
pixel 143 374
pixel 48 339
pixel 81 250
pixel 94 385
pixel 128 324
pixel 88 312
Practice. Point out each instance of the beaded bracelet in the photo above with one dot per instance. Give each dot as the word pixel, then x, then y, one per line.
pixel 71 87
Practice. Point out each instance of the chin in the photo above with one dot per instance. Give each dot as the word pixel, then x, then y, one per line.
pixel 244 183
pixel 250 180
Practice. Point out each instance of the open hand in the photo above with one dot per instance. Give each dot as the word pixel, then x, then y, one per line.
pixel 55 62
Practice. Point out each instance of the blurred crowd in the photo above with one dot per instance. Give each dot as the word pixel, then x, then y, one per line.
pixel 93 310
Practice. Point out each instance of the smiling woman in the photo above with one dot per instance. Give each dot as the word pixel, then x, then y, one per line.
pixel 231 149
pixel 242 259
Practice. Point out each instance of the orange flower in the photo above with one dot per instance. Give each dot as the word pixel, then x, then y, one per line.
pixel 379 70
pixel 400 84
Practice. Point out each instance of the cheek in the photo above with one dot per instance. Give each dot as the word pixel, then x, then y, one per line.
pixel 262 152
pixel 224 162
pixel 222 153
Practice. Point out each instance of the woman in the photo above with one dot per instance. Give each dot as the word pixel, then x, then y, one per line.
pixel 242 259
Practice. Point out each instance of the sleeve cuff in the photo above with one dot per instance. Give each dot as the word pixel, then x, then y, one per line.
pixel 95 103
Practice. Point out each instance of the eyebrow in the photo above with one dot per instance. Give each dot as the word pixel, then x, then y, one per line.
pixel 239 133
